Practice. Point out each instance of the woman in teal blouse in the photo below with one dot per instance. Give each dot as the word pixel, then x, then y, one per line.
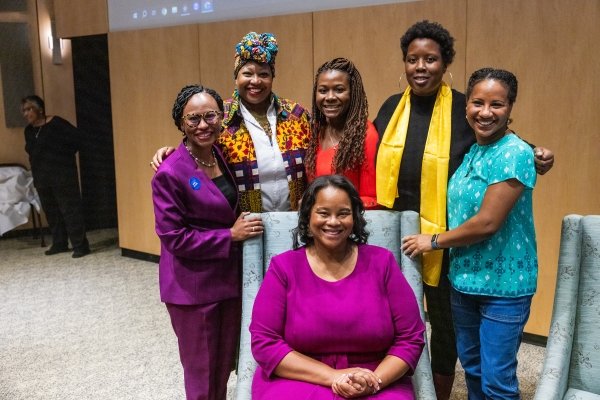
pixel 493 256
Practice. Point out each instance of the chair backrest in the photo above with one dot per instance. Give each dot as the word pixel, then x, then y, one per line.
pixel 572 361
pixel 386 228
pixel 584 373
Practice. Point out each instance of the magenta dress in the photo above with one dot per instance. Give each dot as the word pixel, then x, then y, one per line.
pixel 354 322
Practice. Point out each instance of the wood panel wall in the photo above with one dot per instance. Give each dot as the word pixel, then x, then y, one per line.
pixel 147 70
pixel 549 44
pixel 370 37
pixel 81 18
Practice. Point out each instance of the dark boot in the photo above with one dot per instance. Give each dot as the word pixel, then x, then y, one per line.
pixel 443 385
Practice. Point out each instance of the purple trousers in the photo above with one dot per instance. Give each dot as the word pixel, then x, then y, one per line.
pixel 208 337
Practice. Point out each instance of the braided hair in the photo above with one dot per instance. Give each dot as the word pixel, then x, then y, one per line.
pixel 351 148
pixel 184 96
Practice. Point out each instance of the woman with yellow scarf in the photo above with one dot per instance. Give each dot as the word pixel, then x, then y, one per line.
pixel 424 137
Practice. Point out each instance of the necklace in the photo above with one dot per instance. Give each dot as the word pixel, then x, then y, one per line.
pixel 334 145
pixel 199 161
pixel 263 121
pixel 38 131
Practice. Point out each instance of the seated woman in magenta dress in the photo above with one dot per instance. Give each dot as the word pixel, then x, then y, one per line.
pixel 334 318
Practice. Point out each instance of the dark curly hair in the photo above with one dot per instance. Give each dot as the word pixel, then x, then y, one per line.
pixel 184 96
pixel 506 78
pixel 430 30
pixel 301 234
pixel 37 100
pixel 351 148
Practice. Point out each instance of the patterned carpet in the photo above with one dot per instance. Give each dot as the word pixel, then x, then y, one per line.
pixel 94 328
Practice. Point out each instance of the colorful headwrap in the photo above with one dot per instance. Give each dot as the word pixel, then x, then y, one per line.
pixel 261 48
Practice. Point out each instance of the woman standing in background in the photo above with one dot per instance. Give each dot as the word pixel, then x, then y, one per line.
pixel 52 143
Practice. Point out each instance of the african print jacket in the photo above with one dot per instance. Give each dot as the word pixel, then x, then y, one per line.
pixel 293 134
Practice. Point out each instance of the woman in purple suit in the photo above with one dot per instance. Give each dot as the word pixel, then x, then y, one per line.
pixel 196 210
pixel 334 318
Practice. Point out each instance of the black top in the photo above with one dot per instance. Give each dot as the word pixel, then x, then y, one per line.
pixel 227 188
pixel 409 179
pixel 51 148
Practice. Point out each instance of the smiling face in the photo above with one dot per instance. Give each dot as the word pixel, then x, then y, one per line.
pixel 424 66
pixel 331 219
pixel 202 137
pixel 254 83
pixel 332 97
pixel 488 110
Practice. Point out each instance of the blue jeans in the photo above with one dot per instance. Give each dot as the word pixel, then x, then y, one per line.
pixel 488 335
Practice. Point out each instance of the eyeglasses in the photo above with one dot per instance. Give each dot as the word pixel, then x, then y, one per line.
pixel 210 117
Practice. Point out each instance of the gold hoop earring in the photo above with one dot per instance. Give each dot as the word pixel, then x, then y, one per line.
pixel 400 80
pixel 451 79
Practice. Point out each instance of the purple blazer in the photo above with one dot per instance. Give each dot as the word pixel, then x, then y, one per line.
pixel 199 263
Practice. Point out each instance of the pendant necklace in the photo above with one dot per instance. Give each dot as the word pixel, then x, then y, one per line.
pixel 199 161
pixel 333 144
pixel 38 131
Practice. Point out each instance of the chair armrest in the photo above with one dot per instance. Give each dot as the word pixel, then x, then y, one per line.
pixel 555 372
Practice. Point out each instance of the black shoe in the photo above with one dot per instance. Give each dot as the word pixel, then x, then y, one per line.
pixel 55 250
pixel 78 253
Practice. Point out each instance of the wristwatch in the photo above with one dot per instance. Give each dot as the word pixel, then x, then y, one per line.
pixel 434 243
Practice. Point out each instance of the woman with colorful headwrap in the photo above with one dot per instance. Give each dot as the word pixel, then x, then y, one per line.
pixel 424 137
pixel 265 136
pixel 344 141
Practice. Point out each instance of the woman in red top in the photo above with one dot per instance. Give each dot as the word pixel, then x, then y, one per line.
pixel 343 141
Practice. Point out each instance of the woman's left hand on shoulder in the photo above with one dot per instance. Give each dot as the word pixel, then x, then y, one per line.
pixel 544 160
pixel 413 245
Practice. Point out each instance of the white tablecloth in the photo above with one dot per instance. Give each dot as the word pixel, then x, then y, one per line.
pixel 17 194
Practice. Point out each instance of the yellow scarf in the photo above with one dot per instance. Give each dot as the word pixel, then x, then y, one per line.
pixel 434 173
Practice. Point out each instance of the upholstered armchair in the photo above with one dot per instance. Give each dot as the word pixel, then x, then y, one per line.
pixel 571 368
pixel 386 228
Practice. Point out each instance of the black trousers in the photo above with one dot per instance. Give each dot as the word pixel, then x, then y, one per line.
pixel 443 340
pixel 64 212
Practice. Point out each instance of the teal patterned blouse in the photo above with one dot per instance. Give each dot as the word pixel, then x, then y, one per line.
pixel 505 264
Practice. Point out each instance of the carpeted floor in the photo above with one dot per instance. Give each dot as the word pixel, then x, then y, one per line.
pixel 94 328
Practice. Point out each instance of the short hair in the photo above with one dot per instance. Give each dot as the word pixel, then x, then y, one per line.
pixel 351 149
pixel 430 30
pixel 184 96
pixel 506 78
pixel 37 100
pixel 301 234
